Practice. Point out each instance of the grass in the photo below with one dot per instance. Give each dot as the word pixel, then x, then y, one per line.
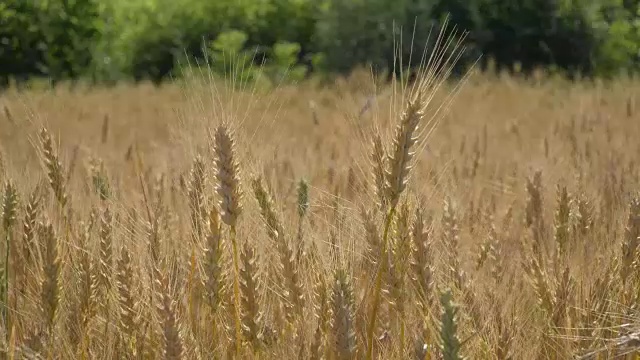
pixel 202 222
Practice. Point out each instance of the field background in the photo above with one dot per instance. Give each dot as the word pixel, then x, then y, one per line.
pixel 264 179
pixel 478 161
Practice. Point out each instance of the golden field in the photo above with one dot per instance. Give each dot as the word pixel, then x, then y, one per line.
pixel 162 222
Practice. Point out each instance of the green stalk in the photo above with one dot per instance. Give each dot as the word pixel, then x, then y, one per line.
pixel 378 289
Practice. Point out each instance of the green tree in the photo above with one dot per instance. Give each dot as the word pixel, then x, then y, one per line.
pixel 53 38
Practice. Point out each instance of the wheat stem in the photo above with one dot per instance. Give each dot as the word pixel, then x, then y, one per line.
pixel 378 284
pixel 236 290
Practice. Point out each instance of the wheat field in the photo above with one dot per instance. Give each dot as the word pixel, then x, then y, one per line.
pixel 493 217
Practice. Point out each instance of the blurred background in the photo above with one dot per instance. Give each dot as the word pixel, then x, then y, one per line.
pixel 132 40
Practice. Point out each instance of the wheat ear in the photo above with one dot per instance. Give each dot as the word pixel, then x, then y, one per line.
pixel 321 312
pixel 342 303
pixel 397 271
pixel 372 236
pixel 249 288
pixel 228 189
pixel 196 195
pixel 451 240
pixel 561 224
pixel 106 253
pixel 125 297
pixel 303 208
pixel 379 164
pixel 631 240
pixel 422 263
pixel 9 209
pixel 213 262
pixel 449 343
pixel 396 179
pixel 288 267
pixel 88 284
pixel 54 168
pixel 29 226
pixel 534 217
pixel 228 176
pixel 173 343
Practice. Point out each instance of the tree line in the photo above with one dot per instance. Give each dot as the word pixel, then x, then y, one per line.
pixel 107 41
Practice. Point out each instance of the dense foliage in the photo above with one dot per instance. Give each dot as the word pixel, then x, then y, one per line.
pixel 149 38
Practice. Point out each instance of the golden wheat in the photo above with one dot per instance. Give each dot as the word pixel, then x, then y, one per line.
pixel 522 201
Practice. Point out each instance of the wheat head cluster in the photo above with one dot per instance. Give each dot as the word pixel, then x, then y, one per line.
pixel 496 217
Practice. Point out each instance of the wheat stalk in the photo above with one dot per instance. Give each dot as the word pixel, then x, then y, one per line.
pixel 50 287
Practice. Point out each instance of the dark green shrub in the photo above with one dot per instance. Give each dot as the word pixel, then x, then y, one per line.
pixel 354 32
pixel 578 36
pixel 53 38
